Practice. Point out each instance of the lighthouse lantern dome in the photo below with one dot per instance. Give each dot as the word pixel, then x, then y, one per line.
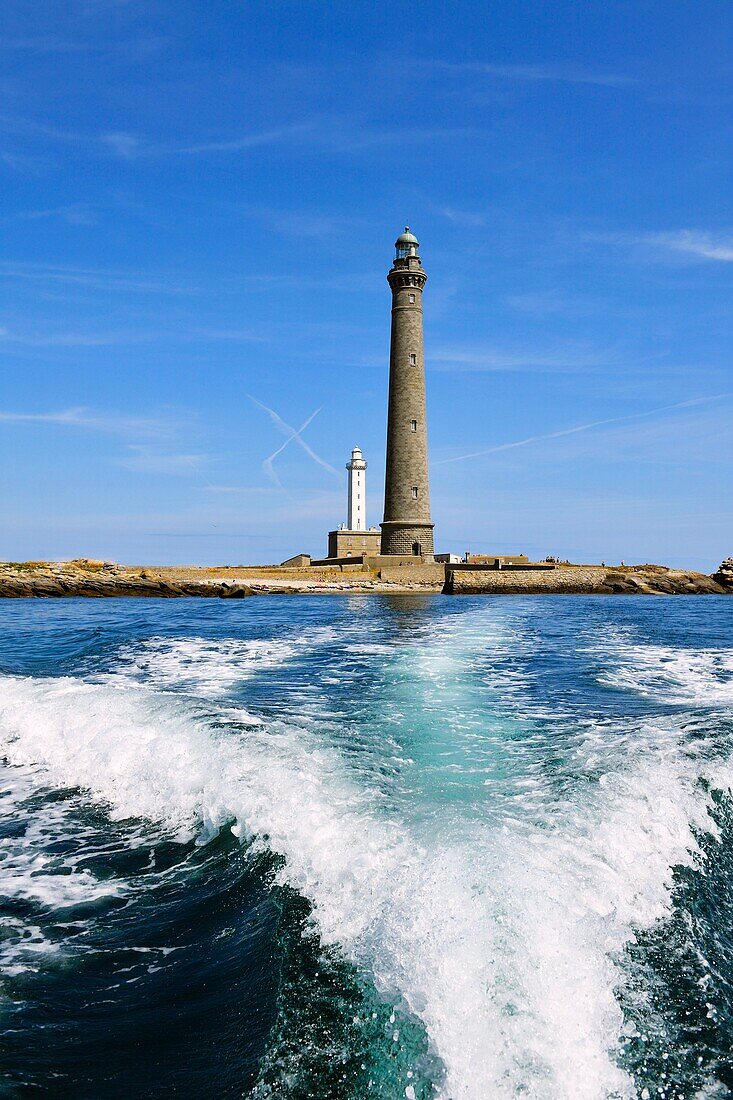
pixel 406 244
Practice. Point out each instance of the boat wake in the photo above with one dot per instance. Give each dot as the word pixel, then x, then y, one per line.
pixel 503 936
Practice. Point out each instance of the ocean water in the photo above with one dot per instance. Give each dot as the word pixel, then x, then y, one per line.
pixel 326 847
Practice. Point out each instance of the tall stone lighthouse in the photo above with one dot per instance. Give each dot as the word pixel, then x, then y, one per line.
pixel 407 528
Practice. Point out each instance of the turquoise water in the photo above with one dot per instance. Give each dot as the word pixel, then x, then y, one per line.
pixel 370 847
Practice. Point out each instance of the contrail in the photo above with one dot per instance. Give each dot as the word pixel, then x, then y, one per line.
pixel 267 464
pixel 292 435
pixel 584 428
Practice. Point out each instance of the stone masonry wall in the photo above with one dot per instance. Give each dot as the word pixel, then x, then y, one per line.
pixel 582 578
pixel 407 450
pixel 400 540
pixel 342 544
pixel 431 575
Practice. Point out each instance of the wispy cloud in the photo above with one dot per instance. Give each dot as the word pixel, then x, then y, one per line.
pixel 293 435
pixel 75 213
pixel 468 218
pixel 679 243
pixel 708 246
pixel 326 134
pixel 301 223
pixel 80 417
pixel 150 446
pixel 562 73
pixel 42 44
pixel 563 359
pixel 541 303
pixel 344 136
pixel 151 459
pixel 274 136
pixel 70 339
pixel 53 44
pixel 235 335
pixel 95 278
pixel 578 428
pixel 128 145
pixel 21 162
pixel 116 339
pixel 248 490
pixel 123 144
pixel 21 126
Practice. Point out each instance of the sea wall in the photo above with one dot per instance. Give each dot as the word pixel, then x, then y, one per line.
pixel 569 579
pixel 428 574
pixel 584 579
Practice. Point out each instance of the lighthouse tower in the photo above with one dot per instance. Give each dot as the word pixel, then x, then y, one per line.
pixel 356 520
pixel 407 527
pixel 354 538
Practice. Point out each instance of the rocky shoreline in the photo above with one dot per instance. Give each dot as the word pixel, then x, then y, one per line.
pixel 104 579
pixel 96 579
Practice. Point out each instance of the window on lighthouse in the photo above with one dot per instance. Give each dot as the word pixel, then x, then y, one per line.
pixel 413 425
pixel 414 492
pixel 412 299
pixel 413 359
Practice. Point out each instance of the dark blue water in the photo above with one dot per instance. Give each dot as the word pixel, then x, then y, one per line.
pixel 367 847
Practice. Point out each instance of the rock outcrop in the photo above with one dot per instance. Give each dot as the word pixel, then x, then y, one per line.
pixel 104 579
pixel 724 575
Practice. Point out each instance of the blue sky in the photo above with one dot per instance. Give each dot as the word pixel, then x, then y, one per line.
pixel 200 200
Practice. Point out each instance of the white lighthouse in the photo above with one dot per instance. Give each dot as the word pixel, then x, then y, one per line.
pixel 356 519
pixel 354 539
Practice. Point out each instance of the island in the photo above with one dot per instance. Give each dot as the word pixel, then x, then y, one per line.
pixel 90 578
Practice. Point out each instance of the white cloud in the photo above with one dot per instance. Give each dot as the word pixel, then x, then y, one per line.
pixel 95 278
pixel 236 335
pixel 72 339
pixel 318 132
pixel 75 213
pixel 21 162
pixel 42 44
pixel 147 459
pixel 302 223
pixel 490 359
pixel 124 144
pixel 467 218
pixel 112 339
pixel 562 73
pixel 708 246
pixel 80 417
pixel 245 141
pixel 692 243
pixel 246 490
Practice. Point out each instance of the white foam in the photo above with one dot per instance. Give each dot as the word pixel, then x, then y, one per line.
pixel 207 666
pixel 499 935
pixel 673 675
pixel 23 947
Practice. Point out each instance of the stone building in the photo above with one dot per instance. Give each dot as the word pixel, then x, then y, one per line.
pixel 407 527
pixel 355 539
